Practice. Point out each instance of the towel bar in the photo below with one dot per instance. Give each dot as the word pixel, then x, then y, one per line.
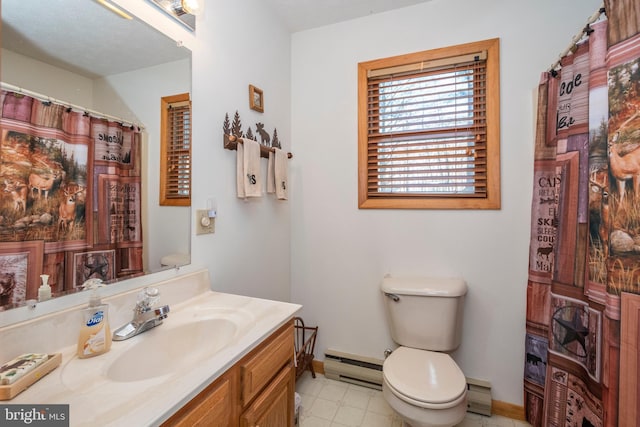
pixel 231 143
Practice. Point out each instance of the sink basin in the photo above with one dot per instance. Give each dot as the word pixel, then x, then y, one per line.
pixel 185 340
pixel 164 350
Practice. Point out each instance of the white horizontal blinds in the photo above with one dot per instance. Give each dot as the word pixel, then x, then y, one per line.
pixel 178 183
pixel 427 129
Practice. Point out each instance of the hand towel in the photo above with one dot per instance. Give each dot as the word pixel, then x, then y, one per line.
pixel 240 171
pixel 271 173
pixel 281 174
pixel 251 162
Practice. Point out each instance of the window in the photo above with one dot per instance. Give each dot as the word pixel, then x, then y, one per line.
pixel 428 129
pixel 175 150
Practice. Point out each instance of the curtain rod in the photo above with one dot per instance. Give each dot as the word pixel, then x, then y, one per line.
pixel 574 41
pixel 45 98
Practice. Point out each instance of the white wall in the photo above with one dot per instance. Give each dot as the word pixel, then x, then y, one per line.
pixel 37 76
pixel 340 253
pixel 240 43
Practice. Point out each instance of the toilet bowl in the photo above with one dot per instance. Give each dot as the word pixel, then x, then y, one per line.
pixel 426 388
pixel 421 382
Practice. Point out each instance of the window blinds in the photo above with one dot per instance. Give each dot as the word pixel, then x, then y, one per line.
pixel 426 126
pixel 178 153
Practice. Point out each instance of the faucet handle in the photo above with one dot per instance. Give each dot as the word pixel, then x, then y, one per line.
pixel 147 298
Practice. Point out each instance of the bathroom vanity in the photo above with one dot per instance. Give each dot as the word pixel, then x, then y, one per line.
pixel 217 359
pixel 257 391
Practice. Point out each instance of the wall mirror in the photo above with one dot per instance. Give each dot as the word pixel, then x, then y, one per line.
pixel 79 52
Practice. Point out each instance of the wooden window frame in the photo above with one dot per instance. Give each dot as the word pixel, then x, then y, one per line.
pixel 492 115
pixel 168 198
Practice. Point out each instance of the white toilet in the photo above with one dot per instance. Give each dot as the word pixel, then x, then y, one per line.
pixel 421 382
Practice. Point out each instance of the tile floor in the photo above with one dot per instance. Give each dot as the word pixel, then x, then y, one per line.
pixel 329 403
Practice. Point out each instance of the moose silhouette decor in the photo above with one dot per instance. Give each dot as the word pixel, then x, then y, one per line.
pixel 264 136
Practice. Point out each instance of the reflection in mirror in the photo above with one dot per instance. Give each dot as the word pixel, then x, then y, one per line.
pixel 84 55
pixel 183 11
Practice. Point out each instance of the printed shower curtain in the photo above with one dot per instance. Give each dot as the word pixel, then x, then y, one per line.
pixel 70 204
pixel 583 291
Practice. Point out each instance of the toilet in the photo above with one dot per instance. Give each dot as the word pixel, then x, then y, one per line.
pixel 420 380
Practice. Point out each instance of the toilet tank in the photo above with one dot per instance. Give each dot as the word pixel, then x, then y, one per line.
pixel 425 312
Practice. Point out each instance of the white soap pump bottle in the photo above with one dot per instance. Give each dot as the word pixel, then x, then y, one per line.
pixel 44 291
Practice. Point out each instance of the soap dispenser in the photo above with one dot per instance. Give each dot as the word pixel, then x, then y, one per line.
pixel 95 333
pixel 44 291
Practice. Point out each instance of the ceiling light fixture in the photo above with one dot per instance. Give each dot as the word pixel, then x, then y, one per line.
pixel 115 9
pixel 192 7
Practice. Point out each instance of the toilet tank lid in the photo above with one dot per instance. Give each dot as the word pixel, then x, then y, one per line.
pixel 427 286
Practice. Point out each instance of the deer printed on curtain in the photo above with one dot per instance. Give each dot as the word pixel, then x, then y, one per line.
pixel 583 293
pixel 70 182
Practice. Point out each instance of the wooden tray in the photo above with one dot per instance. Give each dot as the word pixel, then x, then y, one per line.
pixel 8 392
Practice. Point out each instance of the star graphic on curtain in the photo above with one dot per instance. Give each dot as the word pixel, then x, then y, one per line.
pixel 96 266
pixel 574 330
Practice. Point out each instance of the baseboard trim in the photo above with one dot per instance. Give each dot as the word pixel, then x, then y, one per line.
pixel 509 410
pixel 318 366
pixel 503 409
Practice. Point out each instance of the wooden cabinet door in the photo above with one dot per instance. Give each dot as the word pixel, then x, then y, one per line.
pixel 259 368
pixel 213 407
pixel 274 406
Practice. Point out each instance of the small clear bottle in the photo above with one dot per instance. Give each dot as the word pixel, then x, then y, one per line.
pixel 44 291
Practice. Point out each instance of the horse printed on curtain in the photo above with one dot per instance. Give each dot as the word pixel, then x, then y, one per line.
pixel 583 292
pixel 70 205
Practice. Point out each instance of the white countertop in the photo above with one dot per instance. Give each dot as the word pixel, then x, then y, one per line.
pixel 95 399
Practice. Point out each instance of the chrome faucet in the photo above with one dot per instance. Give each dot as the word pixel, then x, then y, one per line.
pixel 145 316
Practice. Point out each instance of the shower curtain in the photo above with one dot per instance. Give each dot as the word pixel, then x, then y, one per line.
pixel 583 292
pixel 70 205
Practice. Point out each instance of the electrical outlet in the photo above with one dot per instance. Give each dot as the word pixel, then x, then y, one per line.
pixel 204 224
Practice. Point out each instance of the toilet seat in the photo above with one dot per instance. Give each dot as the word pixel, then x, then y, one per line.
pixel 427 379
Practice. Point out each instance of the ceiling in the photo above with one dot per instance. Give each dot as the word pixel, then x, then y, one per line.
pixel 299 15
pixel 83 37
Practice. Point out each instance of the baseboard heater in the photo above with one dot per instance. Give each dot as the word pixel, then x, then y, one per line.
pixel 367 372
pixel 479 397
pixel 354 369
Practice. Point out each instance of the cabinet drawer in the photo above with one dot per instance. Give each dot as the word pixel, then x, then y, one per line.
pixel 211 408
pixel 258 369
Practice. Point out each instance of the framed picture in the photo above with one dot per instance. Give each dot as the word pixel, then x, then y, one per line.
pixel 256 99
pixel 81 266
pixel 20 270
